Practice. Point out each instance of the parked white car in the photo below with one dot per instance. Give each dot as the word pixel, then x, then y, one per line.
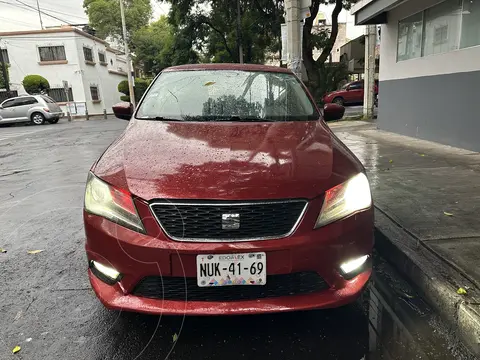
pixel 34 108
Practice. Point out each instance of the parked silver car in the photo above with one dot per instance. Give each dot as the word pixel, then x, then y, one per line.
pixel 34 108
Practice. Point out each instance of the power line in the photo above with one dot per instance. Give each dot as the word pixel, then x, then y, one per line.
pixel 45 9
pixel 16 21
pixel 32 8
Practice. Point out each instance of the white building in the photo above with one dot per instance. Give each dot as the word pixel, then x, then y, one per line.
pixel 92 69
pixel 429 67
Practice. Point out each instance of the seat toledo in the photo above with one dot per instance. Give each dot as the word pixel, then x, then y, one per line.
pixel 227 194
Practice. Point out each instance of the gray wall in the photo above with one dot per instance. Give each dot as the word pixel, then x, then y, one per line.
pixel 441 108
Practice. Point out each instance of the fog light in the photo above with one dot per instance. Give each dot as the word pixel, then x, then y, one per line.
pixel 353 265
pixel 104 273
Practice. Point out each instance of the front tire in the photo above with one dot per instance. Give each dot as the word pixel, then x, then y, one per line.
pixel 53 121
pixel 338 101
pixel 37 119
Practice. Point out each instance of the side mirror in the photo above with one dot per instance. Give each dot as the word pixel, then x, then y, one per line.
pixel 123 110
pixel 333 112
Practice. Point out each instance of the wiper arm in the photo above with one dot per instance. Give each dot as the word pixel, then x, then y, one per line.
pixel 159 118
pixel 249 118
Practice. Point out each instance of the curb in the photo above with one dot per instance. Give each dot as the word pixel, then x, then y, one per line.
pixel 434 278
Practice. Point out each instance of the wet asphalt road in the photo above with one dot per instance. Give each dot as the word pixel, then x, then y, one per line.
pixel 48 308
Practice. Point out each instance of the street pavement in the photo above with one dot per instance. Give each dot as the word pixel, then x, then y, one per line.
pixel 427 198
pixel 356 110
pixel 48 309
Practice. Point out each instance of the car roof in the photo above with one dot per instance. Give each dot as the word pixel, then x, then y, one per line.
pixel 240 67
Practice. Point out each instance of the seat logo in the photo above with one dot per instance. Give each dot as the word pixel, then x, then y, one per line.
pixel 230 221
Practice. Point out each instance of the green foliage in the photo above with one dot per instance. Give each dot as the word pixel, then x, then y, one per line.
pixel 214 32
pixel 2 80
pixel 104 17
pixel 35 84
pixel 157 47
pixel 330 75
pixel 141 86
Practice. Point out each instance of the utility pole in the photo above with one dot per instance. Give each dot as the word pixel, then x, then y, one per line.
pixel 40 15
pixel 239 33
pixel 369 81
pixel 4 72
pixel 294 45
pixel 127 54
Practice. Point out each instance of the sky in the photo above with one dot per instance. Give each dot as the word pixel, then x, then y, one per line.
pixel 15 16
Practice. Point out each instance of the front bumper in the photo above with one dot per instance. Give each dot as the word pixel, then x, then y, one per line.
pixel 137 256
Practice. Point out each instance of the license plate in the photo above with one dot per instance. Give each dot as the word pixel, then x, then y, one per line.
pixel 232 269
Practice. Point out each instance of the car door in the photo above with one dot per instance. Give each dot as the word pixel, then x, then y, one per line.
pixel 355 92
pixel 23 107
pixel 8 110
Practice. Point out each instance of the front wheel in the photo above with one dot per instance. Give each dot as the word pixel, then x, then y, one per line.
pixel 38 119
pixel 338 101
pixel 53 121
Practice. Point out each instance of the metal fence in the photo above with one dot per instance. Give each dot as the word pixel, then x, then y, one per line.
pixel 4 95
pixel 59 95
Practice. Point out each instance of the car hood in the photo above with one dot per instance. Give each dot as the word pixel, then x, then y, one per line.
pixel 226 160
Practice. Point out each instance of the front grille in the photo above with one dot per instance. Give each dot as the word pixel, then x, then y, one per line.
pixel 179 288
pixel 203 221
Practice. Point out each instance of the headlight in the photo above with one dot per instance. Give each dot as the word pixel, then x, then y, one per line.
pixel 345 199
pixel 113 204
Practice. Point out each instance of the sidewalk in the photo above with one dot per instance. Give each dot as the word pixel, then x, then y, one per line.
pixel 427 210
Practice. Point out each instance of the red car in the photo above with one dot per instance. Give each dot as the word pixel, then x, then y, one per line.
pixel 351 93
pixel 227 194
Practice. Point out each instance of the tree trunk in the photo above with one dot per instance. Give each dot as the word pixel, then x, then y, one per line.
pixel 326 51
pixel 308 61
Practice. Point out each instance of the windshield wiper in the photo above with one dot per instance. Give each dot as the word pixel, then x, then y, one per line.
pixel 159 118
pixel 248 118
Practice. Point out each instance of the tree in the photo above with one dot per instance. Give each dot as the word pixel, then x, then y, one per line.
pixel 213 32
pixel 141 86
pixel 157 47
pixel 318 72
pixel 104 17
pixel 35 84
pixel 2 80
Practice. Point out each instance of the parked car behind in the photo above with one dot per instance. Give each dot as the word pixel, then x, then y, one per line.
pixel 34 108
pixel 351 93
pixel 227 194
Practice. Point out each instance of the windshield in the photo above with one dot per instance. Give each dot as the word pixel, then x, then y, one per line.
pixel 226 95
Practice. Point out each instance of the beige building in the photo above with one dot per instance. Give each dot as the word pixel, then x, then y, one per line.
pixel 319 24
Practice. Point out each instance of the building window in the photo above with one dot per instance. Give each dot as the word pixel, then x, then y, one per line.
pixel 441 35
pixel 59 95
pixel 409 45
pixel 447 26
pixel 470 24
pixel 88 54
pixel 4 54
pixel 101 58
pixel 52 53
pixel 95 93
pixel 442 24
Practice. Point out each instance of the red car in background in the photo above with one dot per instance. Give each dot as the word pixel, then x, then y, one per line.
pixel 351 93
pixel 227 194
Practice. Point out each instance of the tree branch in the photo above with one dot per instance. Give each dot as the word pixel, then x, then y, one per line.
pixel 307 44
pixel 207 22
pixel 333 35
